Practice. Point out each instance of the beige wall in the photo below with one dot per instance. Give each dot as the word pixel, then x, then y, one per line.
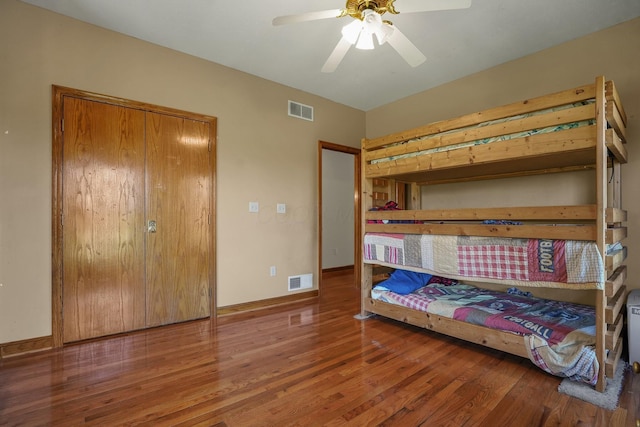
pixel 263 155
pixel 613 52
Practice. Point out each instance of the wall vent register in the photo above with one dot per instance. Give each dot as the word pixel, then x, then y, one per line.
pixel 303 281
pixel 300 111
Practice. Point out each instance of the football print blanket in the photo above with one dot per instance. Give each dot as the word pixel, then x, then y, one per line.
pixel 559 336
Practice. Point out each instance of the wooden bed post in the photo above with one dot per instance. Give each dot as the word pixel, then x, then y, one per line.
pixel 415 197
pixel 366 202
pixel 601 225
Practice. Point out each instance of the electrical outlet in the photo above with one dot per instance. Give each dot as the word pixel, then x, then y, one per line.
pixel 272 270
pixel 254 207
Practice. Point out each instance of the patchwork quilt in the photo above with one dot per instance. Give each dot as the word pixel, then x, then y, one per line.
pixel 516 262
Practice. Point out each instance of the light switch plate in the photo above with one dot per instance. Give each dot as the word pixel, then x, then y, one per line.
pixel 254 207
pixel 281 208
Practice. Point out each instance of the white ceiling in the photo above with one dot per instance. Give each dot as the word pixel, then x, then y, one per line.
pixel 239 34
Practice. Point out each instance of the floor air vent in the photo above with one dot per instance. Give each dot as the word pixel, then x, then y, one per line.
pixel 304 281
pixel 300 111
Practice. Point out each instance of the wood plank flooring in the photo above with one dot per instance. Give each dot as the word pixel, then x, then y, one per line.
pixel 303 364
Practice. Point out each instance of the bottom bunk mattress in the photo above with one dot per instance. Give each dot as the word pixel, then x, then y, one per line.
pixel 559 336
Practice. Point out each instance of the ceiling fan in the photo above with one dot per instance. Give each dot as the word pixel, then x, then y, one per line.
pixel 367 15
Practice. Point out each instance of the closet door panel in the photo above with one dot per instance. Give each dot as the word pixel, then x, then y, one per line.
pixel 179 188
pixel 103 219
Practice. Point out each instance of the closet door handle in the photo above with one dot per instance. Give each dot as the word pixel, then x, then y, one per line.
pixel 151 226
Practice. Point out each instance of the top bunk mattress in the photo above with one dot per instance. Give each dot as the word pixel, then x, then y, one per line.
pixel 565 264
pixel 473 136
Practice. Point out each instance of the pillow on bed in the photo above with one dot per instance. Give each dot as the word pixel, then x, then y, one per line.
pixel 404 282
pixel 444 281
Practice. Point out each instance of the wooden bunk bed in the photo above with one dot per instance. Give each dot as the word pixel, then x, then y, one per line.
pixel 582 128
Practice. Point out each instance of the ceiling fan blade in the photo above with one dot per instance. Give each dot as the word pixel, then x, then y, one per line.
pixel 413 6
pixel 310 16
pixel 336 56
pixel 405 48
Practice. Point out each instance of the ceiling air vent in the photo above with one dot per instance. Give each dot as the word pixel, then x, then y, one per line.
pixel 300 111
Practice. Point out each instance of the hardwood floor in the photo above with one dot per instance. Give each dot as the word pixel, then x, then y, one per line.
pixel 304 364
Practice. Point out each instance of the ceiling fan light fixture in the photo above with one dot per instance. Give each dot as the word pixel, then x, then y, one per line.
pixel 352 30
pixel 371 17
pixel 365 41
pixel 373 23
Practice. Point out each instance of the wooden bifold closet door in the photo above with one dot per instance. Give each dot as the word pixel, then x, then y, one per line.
pixel 178 186
pixel 136 191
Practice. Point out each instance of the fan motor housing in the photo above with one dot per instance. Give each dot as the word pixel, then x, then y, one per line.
pixel 354 8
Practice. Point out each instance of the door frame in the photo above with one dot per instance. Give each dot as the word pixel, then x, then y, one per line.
pixel 58 95
pixel 357 203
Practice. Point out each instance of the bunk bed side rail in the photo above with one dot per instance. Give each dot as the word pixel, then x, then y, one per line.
pixel 499 340
pixel 541 145
pixel 550 232
pixel 522 213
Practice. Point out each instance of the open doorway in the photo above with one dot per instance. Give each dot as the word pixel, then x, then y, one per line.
pixel 339 210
